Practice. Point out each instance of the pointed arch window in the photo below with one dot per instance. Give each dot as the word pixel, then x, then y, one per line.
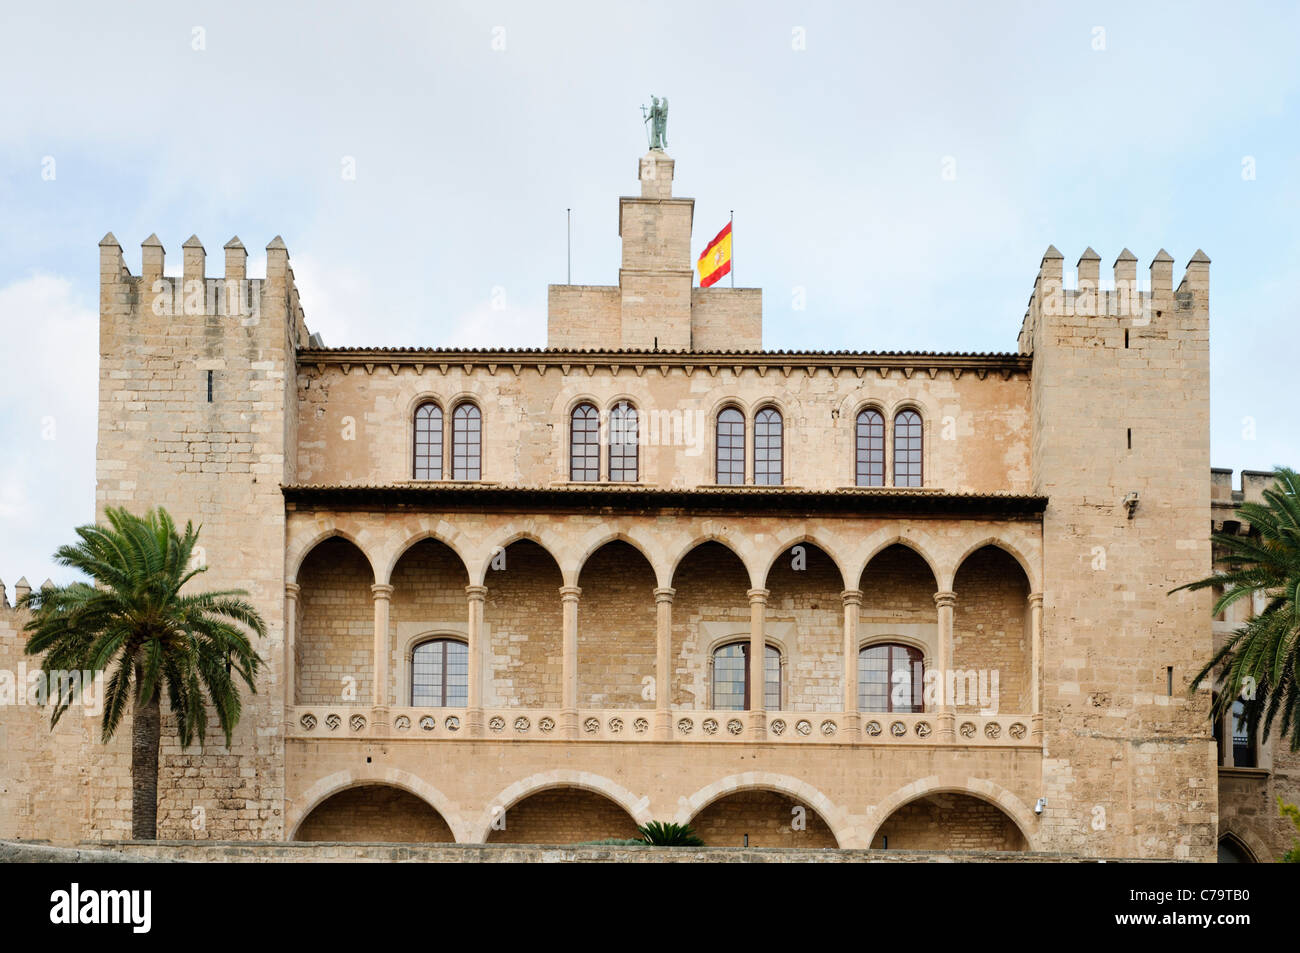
pixel 584 443
pixel 768 437
pixel 427 459
pixel 891 678
pixel 907 448
pixel 466 443
pixel 623 434
pixel 731 678
pixel 870 448
pixel 731 447
pixel 440 674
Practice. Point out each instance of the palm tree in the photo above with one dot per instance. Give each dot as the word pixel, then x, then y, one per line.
pixel 136 625
pixel 1259 661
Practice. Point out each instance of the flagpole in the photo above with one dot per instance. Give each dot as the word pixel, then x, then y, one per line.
pixel 568 246
pixel 733 247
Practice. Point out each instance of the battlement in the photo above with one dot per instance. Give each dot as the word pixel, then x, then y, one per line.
pixel 193 293
pixel 21 589
pixel 1123 297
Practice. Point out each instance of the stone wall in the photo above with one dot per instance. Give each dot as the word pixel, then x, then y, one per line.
pixel 525 629
pixel 616 629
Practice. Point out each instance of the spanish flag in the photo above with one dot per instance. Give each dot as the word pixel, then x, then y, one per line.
pixel 715 261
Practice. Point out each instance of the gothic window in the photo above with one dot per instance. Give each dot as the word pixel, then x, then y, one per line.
pixel 870 437
pixel 440 674
pixel 731 678
pixel 891 678
pixel 767 447
pixel 907 448
pixel 731 446
pixel 584 443
pixel 428 442
pixel 623 443
pixel 466 443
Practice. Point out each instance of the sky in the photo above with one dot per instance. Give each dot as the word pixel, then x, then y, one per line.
pixel 899 169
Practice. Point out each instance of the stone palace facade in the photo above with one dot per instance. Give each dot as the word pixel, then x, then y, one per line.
pixel 529 595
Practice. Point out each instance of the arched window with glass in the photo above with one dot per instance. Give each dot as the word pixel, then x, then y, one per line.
pixel 584 443
pixel 891 678
pixel 768 449
pixel 623 435
pixel 731 678
pixel 731 447
pixel 466 442
pixel 427 458
pixel 440 674
pixel 907 448
pixel 870 448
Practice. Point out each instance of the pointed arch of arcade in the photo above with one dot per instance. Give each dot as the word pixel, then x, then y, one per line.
pixel 801 791
pixel 823 544
pixel 598 539
pixel 882 540
pixel 984 790
pixel 441 533
pixel 324 789
pixel 553 547
pixel 735 546
pixel 637 808
pixel 1026 564
pixel 363 540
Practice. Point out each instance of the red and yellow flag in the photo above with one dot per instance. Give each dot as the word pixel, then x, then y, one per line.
pixel 715 261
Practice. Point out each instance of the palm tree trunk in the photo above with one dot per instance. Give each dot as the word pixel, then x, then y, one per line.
pixel 146 728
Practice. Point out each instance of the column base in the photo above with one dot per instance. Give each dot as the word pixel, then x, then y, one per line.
pixel 474 722
pixel 569 723
pixel 380 722
pixel 663 725
pixel 946 727
pixel 758 725
pixel 851 729
pixel 1036 726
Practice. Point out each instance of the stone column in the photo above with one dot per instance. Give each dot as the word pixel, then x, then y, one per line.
pixel 1036 663
pixel 291 591
pixel 852 599
pixel 383 595
pixel 475 650
pixel 757 666
pixel 663 662
pixel 946 732
pixel 569 680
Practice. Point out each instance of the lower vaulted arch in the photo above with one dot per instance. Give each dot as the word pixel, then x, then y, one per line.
pixel 636 809
pixel 799 792
pixel 1006 803
pixel 391 778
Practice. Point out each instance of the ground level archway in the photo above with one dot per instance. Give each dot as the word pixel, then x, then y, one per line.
pixel 375 813
pixel 559 816
pixel 949 820
pixel 762 818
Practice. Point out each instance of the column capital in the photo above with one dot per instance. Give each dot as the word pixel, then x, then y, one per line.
pixel 942 599
pixel 570 593
pixel 476 593
pixel 851 597
pixel 665 594
pixel 382 590
pixel 1035 600
pixel 291 590
pixel 758 596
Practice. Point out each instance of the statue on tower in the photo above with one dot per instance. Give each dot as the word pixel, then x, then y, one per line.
pixel 657 118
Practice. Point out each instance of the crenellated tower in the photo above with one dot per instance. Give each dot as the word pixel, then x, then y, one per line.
pixel 1120 446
